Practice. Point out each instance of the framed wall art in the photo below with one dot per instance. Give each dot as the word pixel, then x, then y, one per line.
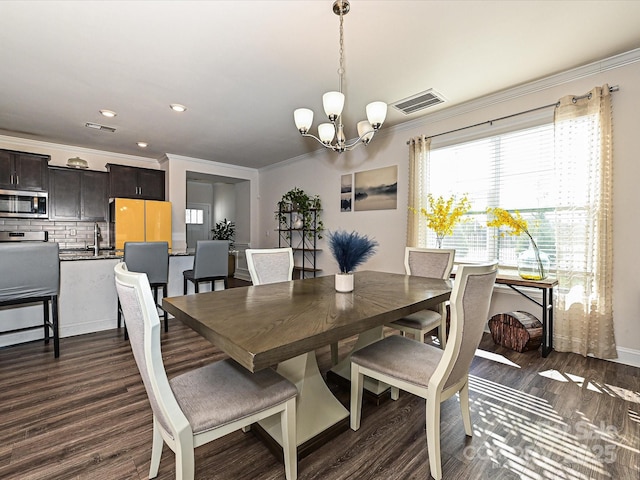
pixel 376 189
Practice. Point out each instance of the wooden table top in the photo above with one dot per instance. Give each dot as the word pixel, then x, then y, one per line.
pixel 263 325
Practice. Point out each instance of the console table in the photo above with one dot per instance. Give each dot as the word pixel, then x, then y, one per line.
pixel 546 286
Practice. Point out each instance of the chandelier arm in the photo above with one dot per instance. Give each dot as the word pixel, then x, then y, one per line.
pixel 358 141
pixel 330 145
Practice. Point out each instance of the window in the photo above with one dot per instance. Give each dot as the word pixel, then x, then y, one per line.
pixel 194 216
pixel 513 171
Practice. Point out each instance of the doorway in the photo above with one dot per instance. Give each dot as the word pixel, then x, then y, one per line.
pixel 196 230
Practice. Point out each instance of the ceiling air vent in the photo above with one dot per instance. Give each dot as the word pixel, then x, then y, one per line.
pixel 426 99
pixel 99 127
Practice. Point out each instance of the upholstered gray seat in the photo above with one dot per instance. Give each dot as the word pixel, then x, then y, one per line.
pixel 30 274
pixel 430 372
pixel 203 404
pixel 210 263
pixel 151 258
pixel 433 263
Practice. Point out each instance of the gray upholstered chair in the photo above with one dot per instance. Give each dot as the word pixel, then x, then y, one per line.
pixel 210 263
pixel 151 258
pixel 30 274
pixel 269 265
pixel 204 404
pixel 433 263
pixel 425 370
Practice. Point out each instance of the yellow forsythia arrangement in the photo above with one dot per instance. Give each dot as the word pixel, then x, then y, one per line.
pixel 516 225
pixel 514 222
pixel 443 215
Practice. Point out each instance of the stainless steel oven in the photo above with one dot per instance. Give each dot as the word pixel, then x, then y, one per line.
pixel 23 204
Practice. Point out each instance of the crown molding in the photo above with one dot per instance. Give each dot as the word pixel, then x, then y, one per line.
pixel 29 143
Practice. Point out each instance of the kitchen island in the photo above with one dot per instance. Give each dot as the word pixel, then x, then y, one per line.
pixel 87 300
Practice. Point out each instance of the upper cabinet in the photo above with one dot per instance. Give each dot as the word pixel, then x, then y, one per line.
pixel 24 171
pixel 133 182
pixel 78 195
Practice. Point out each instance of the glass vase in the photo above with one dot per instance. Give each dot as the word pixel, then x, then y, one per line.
pixel 533 264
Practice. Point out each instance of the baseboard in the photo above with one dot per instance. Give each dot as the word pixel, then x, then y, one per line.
pixel 627 356
pixel 242 274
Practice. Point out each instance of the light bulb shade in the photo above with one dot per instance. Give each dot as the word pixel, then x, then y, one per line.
pixel 333 103
pixel 376 113
pixel 326 132
pixel 303 118
pixel 365 131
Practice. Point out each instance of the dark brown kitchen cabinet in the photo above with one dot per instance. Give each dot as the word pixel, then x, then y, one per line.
pixel 78 195
pixel 134 182
pixel 24 171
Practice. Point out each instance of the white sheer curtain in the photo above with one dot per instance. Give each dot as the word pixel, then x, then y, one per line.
pixel 418 167
pixel 583 160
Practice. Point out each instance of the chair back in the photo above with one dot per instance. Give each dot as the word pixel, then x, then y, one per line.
pixel 29 270
pixel 429 262
pixel 270 265
pixel 211 259
pixel 470 301
pixel 143 324
pixel 151 258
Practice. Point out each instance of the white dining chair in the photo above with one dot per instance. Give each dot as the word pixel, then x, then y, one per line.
pixel 204 404
pixel 432 263
pixel 426 371
pixel 270 265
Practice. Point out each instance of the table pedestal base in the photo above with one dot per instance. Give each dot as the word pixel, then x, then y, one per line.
pixel 318 411
pixel 343 368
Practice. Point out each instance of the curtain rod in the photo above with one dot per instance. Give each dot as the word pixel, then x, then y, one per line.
pixel 612 89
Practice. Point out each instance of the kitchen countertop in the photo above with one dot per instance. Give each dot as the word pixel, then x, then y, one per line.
pixel 74 255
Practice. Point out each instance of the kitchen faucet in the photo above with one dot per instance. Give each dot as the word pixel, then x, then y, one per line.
pixel 96 240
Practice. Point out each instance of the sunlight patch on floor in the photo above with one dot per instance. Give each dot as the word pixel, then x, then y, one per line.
pixel 605 388
pixel 495 357
pixel 525 434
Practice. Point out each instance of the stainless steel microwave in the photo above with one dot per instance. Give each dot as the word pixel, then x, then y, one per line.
pixel 23 204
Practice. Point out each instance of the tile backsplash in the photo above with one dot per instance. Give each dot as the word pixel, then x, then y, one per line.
pixel 70 235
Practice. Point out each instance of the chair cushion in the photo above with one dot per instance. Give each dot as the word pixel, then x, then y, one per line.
pixel 224 391
pixel 422 320
pixel 400 357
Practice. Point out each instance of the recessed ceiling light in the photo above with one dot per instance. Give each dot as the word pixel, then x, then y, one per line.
pixel 108 113
pixel 176 107
pixel 143 144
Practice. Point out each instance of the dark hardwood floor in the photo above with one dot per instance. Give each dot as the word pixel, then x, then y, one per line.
pixel 86 416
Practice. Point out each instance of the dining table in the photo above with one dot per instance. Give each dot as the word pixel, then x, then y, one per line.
pixel 282 324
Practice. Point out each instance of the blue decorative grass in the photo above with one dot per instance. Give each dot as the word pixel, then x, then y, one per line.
pixel 351 249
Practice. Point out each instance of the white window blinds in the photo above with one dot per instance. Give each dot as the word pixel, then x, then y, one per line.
pixel 513 171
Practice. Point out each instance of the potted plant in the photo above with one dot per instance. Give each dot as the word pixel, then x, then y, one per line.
pixel 296 200
pixel 226 230
pixel 349 250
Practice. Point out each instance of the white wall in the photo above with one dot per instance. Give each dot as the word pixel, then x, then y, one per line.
pixel 224 202
pixel 320 172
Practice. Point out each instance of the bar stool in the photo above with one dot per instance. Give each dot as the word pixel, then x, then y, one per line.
pixel 210 263
pixel 151 258
pixel 31 273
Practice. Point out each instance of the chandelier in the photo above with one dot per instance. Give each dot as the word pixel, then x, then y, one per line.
pixel 331 135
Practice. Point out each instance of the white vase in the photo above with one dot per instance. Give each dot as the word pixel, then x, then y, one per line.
pixel 297 221
pixel 344 282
